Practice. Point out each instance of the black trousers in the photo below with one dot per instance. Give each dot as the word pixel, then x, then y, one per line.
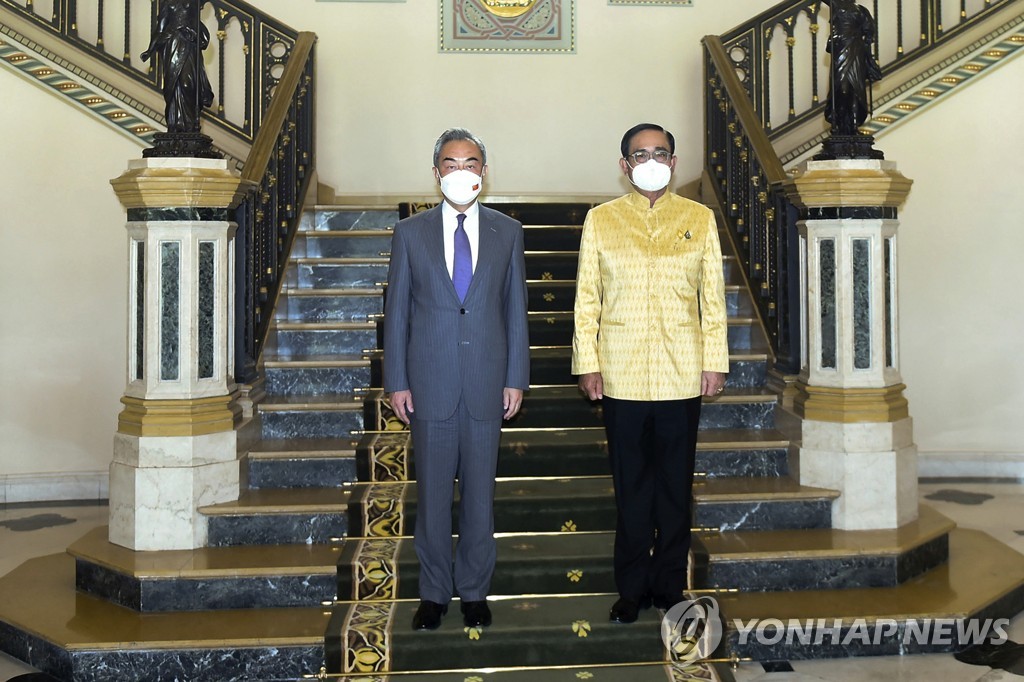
pixel 652 446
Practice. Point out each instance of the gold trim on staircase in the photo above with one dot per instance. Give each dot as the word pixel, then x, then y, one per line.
pixel 848 187
pixel 187 417
pixel 850 405
pixel 189 187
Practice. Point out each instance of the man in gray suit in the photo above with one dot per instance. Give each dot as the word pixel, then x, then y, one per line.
pixel 456 362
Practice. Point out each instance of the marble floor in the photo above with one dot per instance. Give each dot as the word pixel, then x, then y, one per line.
pixel 997 508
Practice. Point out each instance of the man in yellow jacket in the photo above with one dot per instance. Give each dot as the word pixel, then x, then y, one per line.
pixel 650 340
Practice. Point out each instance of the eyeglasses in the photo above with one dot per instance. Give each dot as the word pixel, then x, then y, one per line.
pixel 643 156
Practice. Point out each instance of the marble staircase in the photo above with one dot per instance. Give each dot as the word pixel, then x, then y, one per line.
pixel 313 565
pixel 760 531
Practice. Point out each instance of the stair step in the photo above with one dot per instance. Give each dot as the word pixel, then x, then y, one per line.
pixel 301 463
pixel 552 237
pixel 353 243
pixel 210 578
pixel 317 375
pixel 387 568
pixel 562 265
pixel 538 211
pixel 650 671
pixel 311 416
pixel 982 579
pixel 549 366
pixel 385 456
pixel 560 296
pixel 301 470
pixel 87 638
pixel 334 273
pixel 563 406
pixel 588 504
pixel 552 365
pixel 278 516
pixel 322 338
pixel 556 329
pixel 760 504
pixel 326 305
pixel 821 558
pixel 528 630
pixel 326 218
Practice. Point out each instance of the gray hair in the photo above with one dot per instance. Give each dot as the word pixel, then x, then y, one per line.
pixel 453 134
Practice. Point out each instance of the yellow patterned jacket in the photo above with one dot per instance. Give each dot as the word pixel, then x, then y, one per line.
pixel 637 317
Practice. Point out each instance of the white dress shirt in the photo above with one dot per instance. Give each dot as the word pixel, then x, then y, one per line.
pixel 451 223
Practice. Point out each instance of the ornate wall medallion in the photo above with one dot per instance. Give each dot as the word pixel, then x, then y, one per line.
pixel 508 8
pixel 508 26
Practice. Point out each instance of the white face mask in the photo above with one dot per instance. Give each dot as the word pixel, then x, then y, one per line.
pixel 461 187
pixel 651 176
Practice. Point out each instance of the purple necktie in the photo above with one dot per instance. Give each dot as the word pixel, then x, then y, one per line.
pixel 462 265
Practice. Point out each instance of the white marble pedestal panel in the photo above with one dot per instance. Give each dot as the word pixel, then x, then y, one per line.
pixel 158 483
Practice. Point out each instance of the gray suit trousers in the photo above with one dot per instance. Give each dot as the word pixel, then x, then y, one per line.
pixel 464 448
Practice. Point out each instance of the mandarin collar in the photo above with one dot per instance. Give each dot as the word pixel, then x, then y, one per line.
pixel 640 202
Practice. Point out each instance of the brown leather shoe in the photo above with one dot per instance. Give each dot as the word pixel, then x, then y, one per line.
pixel 428 615
pixel 476 614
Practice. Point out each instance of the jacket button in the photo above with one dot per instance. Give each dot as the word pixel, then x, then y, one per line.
pixel 462 311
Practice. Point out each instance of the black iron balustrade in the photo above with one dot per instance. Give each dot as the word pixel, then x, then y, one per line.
pixel 906 29
pixel 747 176
pixel 281 165
pixel 745 169
pixel 265 47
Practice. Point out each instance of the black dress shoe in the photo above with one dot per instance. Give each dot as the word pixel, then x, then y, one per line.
pixel 624 611
pixel 428 615
pixel 476 614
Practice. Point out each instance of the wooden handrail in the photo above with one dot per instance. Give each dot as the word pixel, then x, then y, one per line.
pixel 266 139
pixel 279 168
pixel 749 120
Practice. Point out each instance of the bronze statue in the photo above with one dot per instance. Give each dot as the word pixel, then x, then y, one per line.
pixel 851 35
pixel 182 38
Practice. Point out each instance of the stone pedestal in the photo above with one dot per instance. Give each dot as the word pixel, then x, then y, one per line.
pixel 856 432
pixel 175 447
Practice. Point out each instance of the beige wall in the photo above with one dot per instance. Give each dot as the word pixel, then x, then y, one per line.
pixel 62 312
pixel 552 123
pixel 961 241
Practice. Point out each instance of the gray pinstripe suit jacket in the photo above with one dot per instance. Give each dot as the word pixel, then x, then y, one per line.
pixel 443 350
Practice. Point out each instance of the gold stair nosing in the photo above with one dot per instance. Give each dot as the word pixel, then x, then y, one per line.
pixel 39 597
pixel 347 453
pixel 883 542
pixel 300 292
pixel 347 233
pixel 168 564
pixel 354 362
pixel 326 406
pixel 980 571
pixel 347 260
pixel 284 325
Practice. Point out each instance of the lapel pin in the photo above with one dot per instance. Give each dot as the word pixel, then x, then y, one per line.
pixel 687 235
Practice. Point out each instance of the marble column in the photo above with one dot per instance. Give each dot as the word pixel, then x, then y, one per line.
pixel 175 446
pixel 856 431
